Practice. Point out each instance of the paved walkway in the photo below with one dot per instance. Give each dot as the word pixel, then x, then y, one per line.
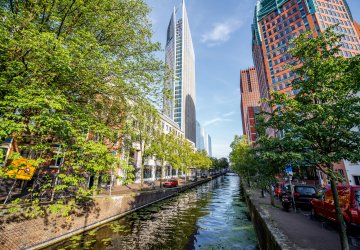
pixel 135 187
pixel 303 230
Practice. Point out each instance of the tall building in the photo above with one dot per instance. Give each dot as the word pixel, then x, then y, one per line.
pixel 250 101
pixel 203 139
pixel 180 58
pixel 277 21
pixel 199 136
pixel 357 28
pixel 209 146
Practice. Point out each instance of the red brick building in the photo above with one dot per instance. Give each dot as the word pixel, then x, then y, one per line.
pixel 250 101
pixel 357 28
pixel 277 22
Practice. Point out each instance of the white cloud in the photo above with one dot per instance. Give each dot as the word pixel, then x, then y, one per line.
pixel 229 114
pixel 221 32
pixel 216 120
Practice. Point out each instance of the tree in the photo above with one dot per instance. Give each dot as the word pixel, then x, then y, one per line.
pixel 182 157
pixel 69 70
pixel 139 129
pixel 200 160
pixel 241 158
pixel 162 149
pixel 318 123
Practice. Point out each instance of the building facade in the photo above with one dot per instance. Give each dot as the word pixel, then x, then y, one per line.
pixel 276 22
pixel 250 101
pixel 180 58
pixel 203 139
pixel 209 146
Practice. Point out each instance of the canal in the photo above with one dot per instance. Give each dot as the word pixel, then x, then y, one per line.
pixel 210 216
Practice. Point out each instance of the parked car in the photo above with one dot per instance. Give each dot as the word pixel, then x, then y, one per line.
pixel 279 188
pixel 193 178
pixel 171 183
pixel 349 197
pixel 303 194
pixel 203 175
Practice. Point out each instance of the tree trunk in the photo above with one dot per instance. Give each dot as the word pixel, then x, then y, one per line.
pixel 262 193
pixel 161 174
pixel 272 200
pixel 339 216
pixel 142 175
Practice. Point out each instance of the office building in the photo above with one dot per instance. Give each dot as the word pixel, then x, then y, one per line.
pixel 180 58
pixel 276 22
pixel 203 139
pixel 209 146
pixel 250 101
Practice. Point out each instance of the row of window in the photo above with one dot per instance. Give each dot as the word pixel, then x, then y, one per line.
pixel 334 13
pixel 286 7
pixel 285 76
pixel 350 39
pixel 339 29
pixel 345 53
pixel 334 20
pixel 333 7
pixel 280 87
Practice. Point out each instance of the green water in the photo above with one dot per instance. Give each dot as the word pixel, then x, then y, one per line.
pixel 210 216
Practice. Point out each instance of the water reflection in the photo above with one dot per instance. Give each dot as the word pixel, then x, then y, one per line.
pixel 211 216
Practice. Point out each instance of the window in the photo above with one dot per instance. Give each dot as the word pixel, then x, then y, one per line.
pixel 357 182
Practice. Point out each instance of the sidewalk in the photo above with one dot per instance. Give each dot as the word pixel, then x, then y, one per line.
pixel 136 187
pixel 301 229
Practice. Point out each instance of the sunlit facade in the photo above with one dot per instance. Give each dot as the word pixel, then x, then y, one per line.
pixel 276 22
pixel 180 58
pixel 250 102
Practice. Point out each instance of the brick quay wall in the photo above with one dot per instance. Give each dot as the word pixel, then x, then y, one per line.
pixel 46 230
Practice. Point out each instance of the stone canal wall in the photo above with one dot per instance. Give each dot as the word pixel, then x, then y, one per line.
pixel 49 229
pixel 269 236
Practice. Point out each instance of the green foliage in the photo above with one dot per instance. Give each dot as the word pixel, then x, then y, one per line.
pixel 200 160
pixel 69 73
pixel 241 158
pixel 128 173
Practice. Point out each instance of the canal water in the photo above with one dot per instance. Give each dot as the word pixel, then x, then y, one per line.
pixel 210 216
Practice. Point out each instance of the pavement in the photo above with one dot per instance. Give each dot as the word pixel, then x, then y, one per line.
pixel 305 231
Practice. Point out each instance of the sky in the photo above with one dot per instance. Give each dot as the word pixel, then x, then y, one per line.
pixel 221 33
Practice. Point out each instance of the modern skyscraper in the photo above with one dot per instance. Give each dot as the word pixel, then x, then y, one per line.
pixel 180 58
pixel 209 146
pixel 199 136
pixel 203 139
pixel 277 21
pixel 250 101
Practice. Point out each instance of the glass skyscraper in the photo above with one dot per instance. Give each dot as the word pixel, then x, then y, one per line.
pixel 180 59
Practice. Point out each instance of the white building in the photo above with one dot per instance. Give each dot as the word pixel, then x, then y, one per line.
pixel 203 139
pixel 180 58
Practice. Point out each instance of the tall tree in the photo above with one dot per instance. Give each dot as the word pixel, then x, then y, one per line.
pixel 69 70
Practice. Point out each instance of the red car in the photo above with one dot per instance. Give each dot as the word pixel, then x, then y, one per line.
pixel 349 197
pixel 171 183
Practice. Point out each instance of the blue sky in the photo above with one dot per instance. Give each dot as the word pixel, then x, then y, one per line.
pixel 222 42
